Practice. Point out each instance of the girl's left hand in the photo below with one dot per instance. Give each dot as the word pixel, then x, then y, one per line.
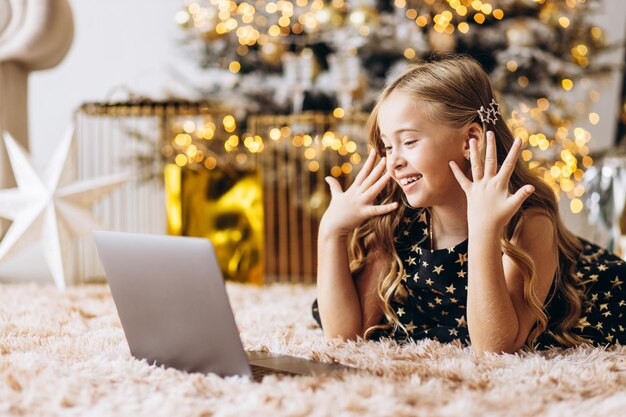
pixel 489 203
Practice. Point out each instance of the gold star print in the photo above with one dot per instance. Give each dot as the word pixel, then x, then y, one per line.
pixel 429 281
pixel 621 328
pixel 410 327
pixel 579 274
pixel 609 338
pixel 438 300
pixel 598 326
pixel 606 313
pixel 462 259
pixel 604 306
pixel 450 250
pixel 400 312
pixel 415 248
pixel 602 267
pixel 416 277
pixel 404 275
pixel 453 332
pixel 594 297
pixel 425 264
pixel 593 277
pixel 450 289
pixel 410 260
pixel 422 217
pixel 425 230
pixel 438 269
pixel 461 322
pixel 431 305
pixel 621 303
pixel 461 274
pixel 607 295
pixel 444 313
pixel 454 300
pixel 406 220
pixel 617 283
pixel 582 323
pixel 405 233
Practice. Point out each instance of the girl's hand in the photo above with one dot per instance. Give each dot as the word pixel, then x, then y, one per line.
pixel 489 203
pixel 349 209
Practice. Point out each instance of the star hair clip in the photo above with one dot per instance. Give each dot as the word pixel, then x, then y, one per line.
pixel 490 114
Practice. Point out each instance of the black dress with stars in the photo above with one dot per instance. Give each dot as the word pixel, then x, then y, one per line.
pixel 436 287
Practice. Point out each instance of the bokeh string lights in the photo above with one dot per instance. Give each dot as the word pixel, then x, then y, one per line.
pixel 541 56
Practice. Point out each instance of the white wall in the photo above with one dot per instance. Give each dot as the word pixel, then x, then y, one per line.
pixel 133 43
pixel 117 43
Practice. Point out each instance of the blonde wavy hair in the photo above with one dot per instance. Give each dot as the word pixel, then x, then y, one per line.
pixel 454 87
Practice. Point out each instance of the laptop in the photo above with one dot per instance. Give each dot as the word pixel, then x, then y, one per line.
pixel 170 296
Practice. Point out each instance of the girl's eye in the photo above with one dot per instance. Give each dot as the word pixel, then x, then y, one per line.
pixel 387 149
pixel 410 142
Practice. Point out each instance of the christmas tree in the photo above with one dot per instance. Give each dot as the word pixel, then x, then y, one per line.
pixel 288 57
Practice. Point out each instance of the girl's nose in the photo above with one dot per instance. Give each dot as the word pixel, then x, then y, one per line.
pixel 396 160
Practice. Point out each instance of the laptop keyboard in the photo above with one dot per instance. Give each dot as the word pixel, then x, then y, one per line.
pixel 258 372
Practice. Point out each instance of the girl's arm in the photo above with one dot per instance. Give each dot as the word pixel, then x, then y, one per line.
pixel 498 317
pixel 345 307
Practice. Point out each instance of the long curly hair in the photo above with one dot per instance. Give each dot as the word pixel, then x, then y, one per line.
pixel 454 87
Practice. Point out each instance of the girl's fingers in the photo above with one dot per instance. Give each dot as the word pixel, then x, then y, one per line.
pixel 367 167
pixel 378 186
pixel 521 195
pixel 335 187
pixel 477 166
pixel 463 181
pixel 511 159
pixel 372 211
pixel 491 160
pixel 376 173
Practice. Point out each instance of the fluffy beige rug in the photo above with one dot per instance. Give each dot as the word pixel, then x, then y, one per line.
pixel 64 354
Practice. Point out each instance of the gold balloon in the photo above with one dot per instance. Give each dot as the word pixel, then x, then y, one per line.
pixel 225 207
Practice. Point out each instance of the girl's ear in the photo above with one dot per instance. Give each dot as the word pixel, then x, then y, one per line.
pixel 475 131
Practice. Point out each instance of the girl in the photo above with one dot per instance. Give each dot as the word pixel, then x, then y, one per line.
pixel 452 236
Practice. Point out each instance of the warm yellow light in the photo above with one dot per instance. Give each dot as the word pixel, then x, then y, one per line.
pixel 498 14
pixel 314 166
pixel 587 161
pixel 421 21
pixel 409 53
pixel 564 22
pixel 463 27
pixel 567 84
pixel 310 153
pixel 275 134
pixel 336 171
pixel 355 159
pixel 511 65
pixel 339 113
pixel 181 160
pixel 411 14
pixel 346 168
pixel 594 118
pixel 576 205
pixel 461 10
pixel 479 18
pixel 210 162
pixel 523 81
pixel 486 8
pixel 234 67
pixel 527 155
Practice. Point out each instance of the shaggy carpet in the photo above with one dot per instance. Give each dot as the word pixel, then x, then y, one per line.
pixel 64 354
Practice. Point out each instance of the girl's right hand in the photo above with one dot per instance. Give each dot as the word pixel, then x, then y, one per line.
pixel 349 209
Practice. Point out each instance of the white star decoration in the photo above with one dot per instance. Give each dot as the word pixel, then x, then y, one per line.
pixel 46 207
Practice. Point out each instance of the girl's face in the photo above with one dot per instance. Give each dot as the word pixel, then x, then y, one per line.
pixel 418 151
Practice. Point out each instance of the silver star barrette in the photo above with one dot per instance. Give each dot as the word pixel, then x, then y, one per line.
pixel 490 114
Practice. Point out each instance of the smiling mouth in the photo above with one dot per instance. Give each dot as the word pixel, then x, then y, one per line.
pixel 409 180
